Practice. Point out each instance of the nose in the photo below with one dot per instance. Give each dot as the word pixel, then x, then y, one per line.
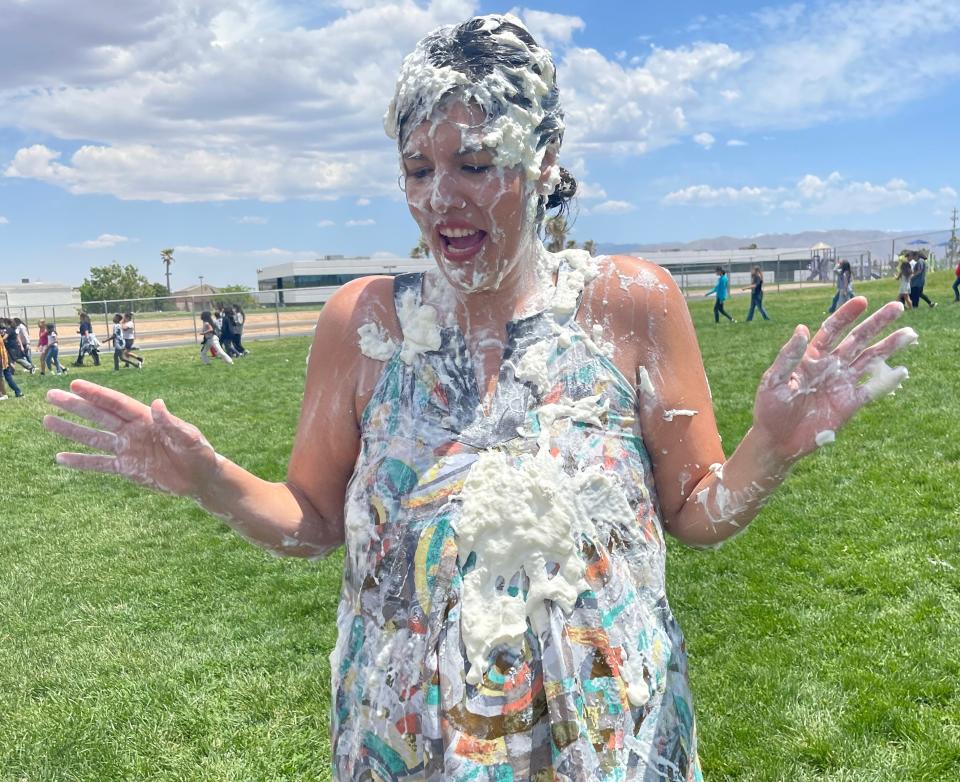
pixel 446 192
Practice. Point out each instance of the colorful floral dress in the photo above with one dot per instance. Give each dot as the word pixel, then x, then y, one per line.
pixel 599 692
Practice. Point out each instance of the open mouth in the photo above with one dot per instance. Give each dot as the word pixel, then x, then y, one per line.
pixel 461 244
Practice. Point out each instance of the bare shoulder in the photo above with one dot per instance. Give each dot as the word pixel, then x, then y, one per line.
pixel 360 301
pixel 634 296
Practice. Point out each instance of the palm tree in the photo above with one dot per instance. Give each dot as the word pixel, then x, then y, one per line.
pixel 422 250
pixel 556 229
pixel 590 246
pixel 166 257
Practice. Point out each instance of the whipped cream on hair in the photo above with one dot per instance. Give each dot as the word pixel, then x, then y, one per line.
pixel 492 61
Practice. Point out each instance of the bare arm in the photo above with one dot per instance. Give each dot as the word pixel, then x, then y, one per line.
pixel 812 389
pixel 301 516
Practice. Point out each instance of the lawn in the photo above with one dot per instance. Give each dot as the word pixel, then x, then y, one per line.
pixel 141 639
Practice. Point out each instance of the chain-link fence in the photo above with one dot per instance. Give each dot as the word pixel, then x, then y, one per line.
pixel 174 321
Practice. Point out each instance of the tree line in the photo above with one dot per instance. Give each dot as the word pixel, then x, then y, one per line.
pixel 115 287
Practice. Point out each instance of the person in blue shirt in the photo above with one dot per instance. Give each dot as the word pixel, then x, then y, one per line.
pixel 722 289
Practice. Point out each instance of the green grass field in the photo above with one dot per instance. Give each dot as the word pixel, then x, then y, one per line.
pixel 141 639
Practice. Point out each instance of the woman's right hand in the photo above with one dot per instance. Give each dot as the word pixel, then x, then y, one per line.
pixel 144 443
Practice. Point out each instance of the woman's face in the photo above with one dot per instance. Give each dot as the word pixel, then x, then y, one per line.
pixel 476 217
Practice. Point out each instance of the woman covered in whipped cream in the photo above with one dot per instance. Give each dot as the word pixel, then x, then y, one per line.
pixel 501 444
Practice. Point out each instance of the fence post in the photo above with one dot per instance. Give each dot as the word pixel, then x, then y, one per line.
pixel 193 311
pixel 276 307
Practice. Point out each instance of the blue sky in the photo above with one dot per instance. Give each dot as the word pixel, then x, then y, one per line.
pixel 248 132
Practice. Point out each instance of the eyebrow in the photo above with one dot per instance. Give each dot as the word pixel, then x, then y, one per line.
pixel 464 151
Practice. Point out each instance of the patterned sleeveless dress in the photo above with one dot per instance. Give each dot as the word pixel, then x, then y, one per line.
pixel 596 692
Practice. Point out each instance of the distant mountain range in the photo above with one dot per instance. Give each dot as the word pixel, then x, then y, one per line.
pixel 878 242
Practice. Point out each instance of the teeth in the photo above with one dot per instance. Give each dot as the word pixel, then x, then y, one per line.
pixel 458 233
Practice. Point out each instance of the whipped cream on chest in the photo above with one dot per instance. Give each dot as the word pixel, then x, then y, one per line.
pixel 421 332
pixel 519 514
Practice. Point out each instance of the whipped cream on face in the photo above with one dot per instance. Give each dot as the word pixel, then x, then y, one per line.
pixel 511 130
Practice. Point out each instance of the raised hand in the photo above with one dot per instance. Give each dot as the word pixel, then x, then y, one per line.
pixel 816 385
pixel 145 444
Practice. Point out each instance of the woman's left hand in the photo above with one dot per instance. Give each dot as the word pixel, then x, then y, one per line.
pixel 816 385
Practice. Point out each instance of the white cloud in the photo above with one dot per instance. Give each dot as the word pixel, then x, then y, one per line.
pixel 614 109
pixel 251 220
pixel 705 140
pixel 4 220
pixel 779 17
pixel 358 223
pixel 325 223
pixel 193 100
pixel 832 195
pixel 548 28
pixel 103 240
pixel 186 249
pixel 588 191
pixel 273 252
pixel 215 100
pixel 707 195
pixel 736 142
pixel 363 202
pixel 612 208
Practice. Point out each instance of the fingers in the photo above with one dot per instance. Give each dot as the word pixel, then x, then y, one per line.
pixel 94 438
pixel 789 357
pixel 88 462
pixel 882 380
pixel 121 405
pixel 857 339
pixel 884 349
pixel 826 338
pixel 72 403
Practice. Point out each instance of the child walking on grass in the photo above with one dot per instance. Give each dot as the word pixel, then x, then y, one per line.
pixel 42 344
pixel 129 335
pixel 904 274
pixel 6 373
pixel 722 289
pixel 756 294
pixel 52 355
pixel 119 345
pixel 211 340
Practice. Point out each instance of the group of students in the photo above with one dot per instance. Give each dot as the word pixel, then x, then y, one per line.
pixel 15 350
pixel 222 333
pixel 912 274
pixel 722 292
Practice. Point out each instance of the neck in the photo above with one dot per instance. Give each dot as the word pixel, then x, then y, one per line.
pixel 523 288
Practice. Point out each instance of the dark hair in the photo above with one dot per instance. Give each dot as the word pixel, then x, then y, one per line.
pixel 720 270
pixel 475 49
pixel 205 317
pixel 117 317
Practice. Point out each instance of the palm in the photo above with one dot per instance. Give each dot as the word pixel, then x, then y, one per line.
pixel 145 444
pixel 817 385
